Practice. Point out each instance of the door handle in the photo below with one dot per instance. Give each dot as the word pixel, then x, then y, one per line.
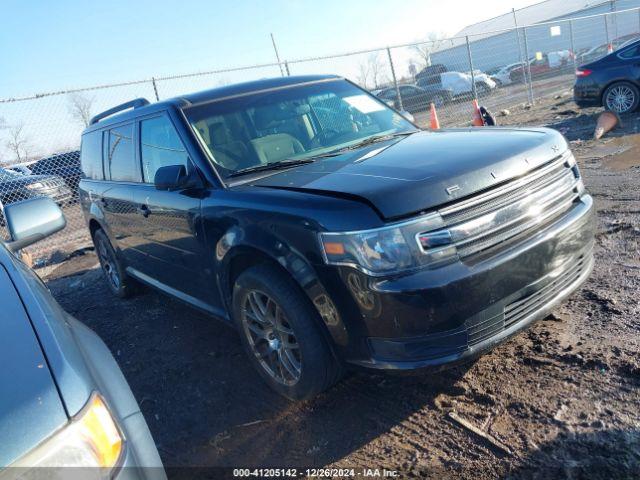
pixel 144 210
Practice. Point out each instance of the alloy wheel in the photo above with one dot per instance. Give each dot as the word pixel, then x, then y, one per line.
pixel 271 338
pixel 108 263
pixel 620 99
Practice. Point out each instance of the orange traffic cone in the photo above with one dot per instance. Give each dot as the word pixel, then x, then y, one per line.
pixel 610 48
pixel 435 123
pixel 477 116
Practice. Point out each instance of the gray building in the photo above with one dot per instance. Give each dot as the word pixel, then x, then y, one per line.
pixel 494 42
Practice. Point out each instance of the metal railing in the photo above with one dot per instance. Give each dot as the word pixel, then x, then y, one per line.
pixel 40 133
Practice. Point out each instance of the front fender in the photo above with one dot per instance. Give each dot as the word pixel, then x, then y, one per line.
pixel 255 241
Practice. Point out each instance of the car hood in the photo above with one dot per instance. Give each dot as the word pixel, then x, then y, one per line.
pixel 30 406
pixel 425 170
pixel 23 180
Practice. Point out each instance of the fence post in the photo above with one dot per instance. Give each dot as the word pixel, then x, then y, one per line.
pixel 275 49
pixel 606 27
pixel 528 70
pixel 155 89
pixel 473 75
pixel 573 46
pixel 395 80
pixel 522 62
pixel 286 67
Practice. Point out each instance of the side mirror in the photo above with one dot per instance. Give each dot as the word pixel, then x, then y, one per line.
pixel 170 177
pixel 29 221
pixel 408 116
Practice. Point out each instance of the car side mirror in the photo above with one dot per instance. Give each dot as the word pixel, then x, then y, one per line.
pixel 171 177
pixel 408 116
pixel 31 220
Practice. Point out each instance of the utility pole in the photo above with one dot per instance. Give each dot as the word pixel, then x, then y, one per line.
pixel 273 41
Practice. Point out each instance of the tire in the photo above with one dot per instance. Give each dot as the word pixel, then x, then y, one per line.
pixel 621 97
pixel 482 89
pixel 287 318
pixel 120 284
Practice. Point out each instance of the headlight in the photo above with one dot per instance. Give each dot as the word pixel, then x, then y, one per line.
pixel 91 440
pixel 396 248
pixel 35 186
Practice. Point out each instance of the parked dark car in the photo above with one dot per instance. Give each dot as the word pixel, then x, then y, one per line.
pixel 431 71
pixel 65 165
pixel 17 186
pixel 352 240
pixel 414 99
pixel 612 82
pixel 66 410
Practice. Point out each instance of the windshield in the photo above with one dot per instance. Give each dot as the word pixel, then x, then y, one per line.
pixel 6 175
pixel 293 123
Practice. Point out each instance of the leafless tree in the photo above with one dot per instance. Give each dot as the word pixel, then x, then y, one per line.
pixel 80 107
pixel 376 68
pixel 424 50
pixel 364 72
pixel 18 144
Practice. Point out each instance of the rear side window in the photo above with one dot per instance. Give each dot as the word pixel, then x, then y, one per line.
pixel 120 165
pixel 91 155
pixel 631 52
pixel 160 146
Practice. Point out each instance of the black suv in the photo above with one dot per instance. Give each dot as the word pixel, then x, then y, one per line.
pixel 330 230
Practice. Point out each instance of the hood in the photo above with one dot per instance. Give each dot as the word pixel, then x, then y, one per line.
pixel 30 406
pixel 425 170
pixel 21 181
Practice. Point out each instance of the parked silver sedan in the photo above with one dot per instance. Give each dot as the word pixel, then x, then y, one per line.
pixel 63 400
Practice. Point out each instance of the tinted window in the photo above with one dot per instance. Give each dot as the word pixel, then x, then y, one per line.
pixel 631 52
pixel 91 155
pixel 120 156
pixel 160 146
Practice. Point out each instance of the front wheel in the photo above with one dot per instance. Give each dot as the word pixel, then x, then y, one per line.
pixel 280 331
pixel 621 97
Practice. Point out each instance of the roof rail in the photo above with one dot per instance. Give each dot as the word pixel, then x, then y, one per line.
pixel 137 103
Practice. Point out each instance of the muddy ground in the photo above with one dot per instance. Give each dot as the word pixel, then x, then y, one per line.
pixel 562 397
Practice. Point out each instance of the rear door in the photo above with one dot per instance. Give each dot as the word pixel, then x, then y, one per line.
pixel 115 198
pixel 167 221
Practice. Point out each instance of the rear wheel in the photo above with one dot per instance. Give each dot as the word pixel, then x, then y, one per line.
pixel 118 281
pixel 281 333
pixel 482 89
pixel 621 97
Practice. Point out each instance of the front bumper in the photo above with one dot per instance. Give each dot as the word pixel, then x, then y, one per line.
pixel 441 317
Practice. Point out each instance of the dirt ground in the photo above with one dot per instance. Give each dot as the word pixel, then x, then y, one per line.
pixel 561 399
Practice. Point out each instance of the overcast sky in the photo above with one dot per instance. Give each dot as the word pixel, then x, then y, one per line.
pixel 50 45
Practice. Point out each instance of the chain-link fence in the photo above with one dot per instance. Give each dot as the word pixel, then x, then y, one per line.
pixel 40 134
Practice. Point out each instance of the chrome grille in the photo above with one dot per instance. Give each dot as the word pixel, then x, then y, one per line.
pixel 513 209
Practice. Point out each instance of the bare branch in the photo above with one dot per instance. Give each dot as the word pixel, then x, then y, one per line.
pixel 424 50
pixel 80 108
pixel 18 144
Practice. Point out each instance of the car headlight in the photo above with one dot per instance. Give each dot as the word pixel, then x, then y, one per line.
pixel 392 249
pixel 35 186
pixel 92 440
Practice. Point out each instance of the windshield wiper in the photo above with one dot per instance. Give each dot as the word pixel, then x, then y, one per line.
pixel 271 166
pixel 374 139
